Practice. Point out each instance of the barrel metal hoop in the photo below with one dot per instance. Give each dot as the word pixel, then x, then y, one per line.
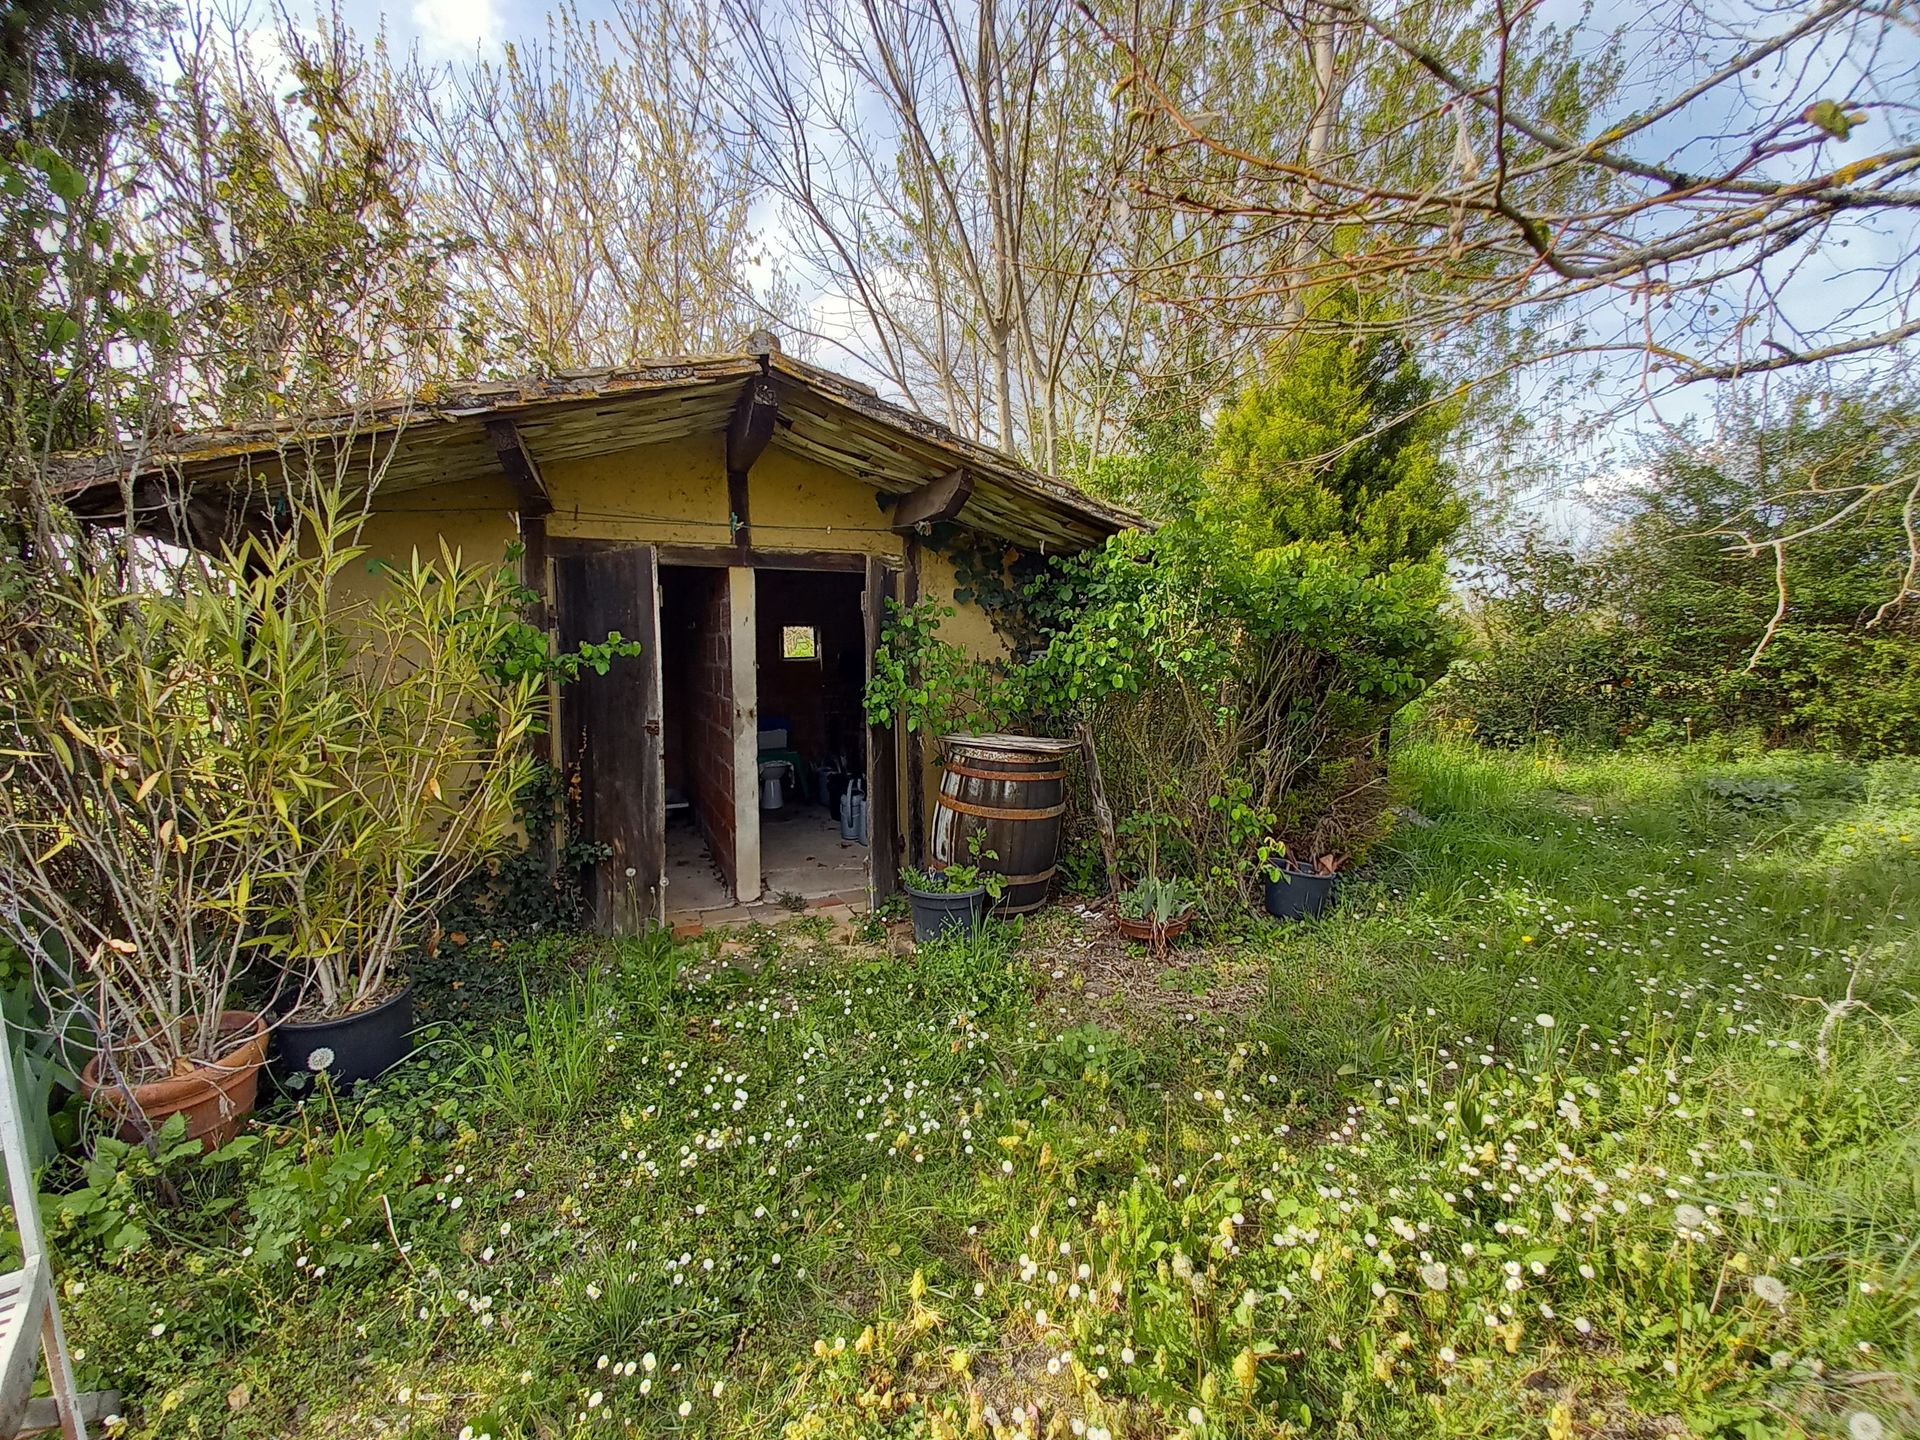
pixel 967 770
pixel 988 812
pixel 1033 879
pixel 940 866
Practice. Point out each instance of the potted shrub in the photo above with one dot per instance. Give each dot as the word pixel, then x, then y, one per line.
pixel 1156 909
pixel 1296 891
pixel 149 754
pixel 952 900
pixel 425 754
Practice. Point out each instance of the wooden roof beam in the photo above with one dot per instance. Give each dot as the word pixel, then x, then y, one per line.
pixel 752 424
pixel 748 433
pixel 939 499
pixel 520 467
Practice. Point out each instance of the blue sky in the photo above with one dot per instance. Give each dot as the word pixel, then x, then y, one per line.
pixel 1826 282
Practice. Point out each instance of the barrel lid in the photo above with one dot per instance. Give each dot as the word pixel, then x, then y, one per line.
pixel 1006 744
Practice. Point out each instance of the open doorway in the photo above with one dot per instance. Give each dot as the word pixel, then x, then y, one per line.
pixel 810 663
pixel 743 720
pixel 697 747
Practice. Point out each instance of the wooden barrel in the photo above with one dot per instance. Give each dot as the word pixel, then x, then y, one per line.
pixel 1013 787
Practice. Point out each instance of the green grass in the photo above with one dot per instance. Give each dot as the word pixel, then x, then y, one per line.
pixel 1591 1111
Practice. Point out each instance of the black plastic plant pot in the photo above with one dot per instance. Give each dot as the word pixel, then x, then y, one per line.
pixel 1299 894
pixel 356 1047
pixel 934 916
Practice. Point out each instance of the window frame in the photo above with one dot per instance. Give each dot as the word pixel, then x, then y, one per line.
pixel 787 632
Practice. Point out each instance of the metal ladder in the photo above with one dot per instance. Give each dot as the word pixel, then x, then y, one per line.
pixel 29 1310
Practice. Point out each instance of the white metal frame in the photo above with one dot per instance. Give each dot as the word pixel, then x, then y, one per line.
pixel 29 1309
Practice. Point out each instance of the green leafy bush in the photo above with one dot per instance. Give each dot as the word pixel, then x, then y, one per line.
pixel 129 1192
pixel 1158 900
pixel 1237 666
pixel 316 1197
pixel 160 742
pixel 327 1196
pixel 1671 627
pixel 420 729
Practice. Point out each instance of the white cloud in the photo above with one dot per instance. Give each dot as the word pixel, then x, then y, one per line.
pixel 456 29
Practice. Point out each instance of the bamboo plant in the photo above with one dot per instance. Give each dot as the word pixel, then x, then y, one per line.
pixel 157 735
pixel 426 753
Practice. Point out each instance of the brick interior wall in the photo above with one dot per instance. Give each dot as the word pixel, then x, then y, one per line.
pixel 679 641
pixel 820 698
pixel 706 709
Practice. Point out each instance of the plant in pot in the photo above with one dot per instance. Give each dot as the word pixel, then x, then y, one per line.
pixel 1296 891
pixel 425 755
pixel 1157 909
pixel 155 733
pixel 953 900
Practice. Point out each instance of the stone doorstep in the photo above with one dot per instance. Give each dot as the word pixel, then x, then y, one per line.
pixel 691 924
pixel 854 900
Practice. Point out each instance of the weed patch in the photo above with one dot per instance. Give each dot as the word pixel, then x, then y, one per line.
pixel 1590 1111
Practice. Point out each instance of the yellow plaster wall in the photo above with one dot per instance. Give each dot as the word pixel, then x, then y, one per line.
pixel 478 521
pixel 969 626
pixel 675 493
pixel 972 630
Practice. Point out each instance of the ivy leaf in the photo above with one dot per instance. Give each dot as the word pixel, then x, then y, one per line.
pixel 1832 117
pixel 62 178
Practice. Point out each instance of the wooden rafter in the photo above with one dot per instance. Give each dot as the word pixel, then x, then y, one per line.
pixel 520 467
pixel 752 424
pixel 747 435
pixel 939 499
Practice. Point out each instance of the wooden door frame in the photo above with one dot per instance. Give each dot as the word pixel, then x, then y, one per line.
pixel 721 557
pixel 743 664
pixel 883 583
pixel 885 577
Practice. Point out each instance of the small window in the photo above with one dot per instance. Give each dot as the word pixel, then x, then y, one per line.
pixel 799 642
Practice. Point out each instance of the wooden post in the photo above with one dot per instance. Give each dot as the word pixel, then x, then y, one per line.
pixel 1102 814
pixel 883 753
pixel 916 847
pixel 743 661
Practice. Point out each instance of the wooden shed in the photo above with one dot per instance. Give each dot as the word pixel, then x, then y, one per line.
pixel 744 517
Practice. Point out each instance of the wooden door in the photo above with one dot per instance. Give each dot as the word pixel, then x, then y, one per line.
pixel 610 741
pixel 883 751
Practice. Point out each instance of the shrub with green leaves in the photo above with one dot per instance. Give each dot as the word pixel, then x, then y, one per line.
pixel 1237 665
pixel 420 717
pixel 1680 623
pixel 229 761
pixel 160 741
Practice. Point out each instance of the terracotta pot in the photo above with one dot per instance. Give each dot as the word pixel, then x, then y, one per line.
pixel 214 1097
pixel 1143 929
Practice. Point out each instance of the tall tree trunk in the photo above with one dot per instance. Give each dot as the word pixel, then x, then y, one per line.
pixel 1329 87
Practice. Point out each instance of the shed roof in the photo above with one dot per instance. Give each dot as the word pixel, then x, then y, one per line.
pixel 440 435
